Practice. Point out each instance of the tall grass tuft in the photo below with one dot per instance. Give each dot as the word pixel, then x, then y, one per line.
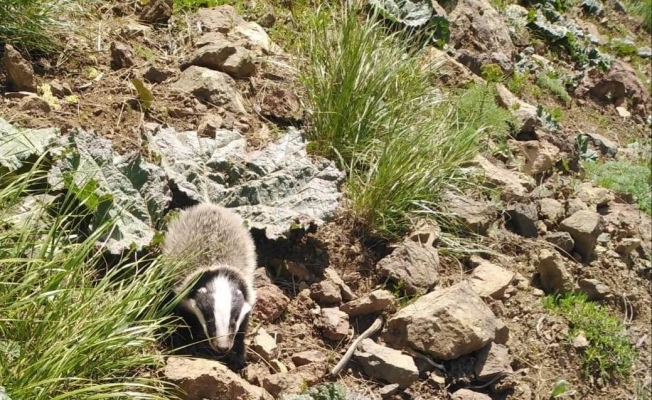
pixel 375 111
pixel 642 8
pixel 67 332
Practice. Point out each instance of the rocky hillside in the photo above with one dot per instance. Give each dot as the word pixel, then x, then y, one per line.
pixel 534 282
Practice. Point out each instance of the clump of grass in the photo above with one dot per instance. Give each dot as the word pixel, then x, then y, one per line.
pixel 518 82
pixel 67 332
pixel 622 48
pixel 642 8
pixel 624 177
pixel 374 111
pixel 609 352
pixel 555 86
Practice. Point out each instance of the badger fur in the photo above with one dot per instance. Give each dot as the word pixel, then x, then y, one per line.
pixel 219 258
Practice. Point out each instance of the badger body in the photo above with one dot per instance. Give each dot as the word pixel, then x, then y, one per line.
pixel 218 257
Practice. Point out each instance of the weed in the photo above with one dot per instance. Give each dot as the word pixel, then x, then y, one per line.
pixel 609 352
pixel 517 82
pixel 642 8
pixel 624 177
pixel 555 86
pixel 622 48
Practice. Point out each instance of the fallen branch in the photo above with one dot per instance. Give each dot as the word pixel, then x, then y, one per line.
pixel 375 327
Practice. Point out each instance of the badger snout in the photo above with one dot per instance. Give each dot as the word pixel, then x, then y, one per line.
pixel 221 344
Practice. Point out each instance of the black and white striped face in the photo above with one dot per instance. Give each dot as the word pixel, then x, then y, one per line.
pixel 220 307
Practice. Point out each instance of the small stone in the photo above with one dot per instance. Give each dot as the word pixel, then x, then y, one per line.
pixel 553 272
pixel 580 341
pixel 308 357
pixel 122 56
pixel 628 245
pixel 426 232
pixel 595 196
pixel 622 111
pixel 271 301
pixel 35 104
pixel 334 324
pixel 374 302
pixel 291 382
pixel 574 205
pixel 213 87
pixel 20 73
pixel 387 391
pixel 551 210
pixel 513 185
pixel 267 20
pixel 156 74
pixel 493 360
pixel 523 217
pixel 133 29
pixel 536 156
pixel 584 227
pixel 594 289
pixel 386 364
pixel 502 332
pixel 59 89
pixel 326 292
pixel 209 125
pixel 332 275
pixel 562 240
pixel 264 345
pixel 277 366
pixel 489 280
pixel 466 394
pixel 254 372
pixel 476 216
pixel 412 264
pixel 156 11
pixel 281 104
pixel 298 270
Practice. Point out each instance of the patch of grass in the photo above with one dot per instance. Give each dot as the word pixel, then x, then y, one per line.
pixel 518 82
pixel 609 352
pixel 555 86
pixel 624 177
pixel 642 8
pixel 374 111
pixel 67 331
pixel 622 48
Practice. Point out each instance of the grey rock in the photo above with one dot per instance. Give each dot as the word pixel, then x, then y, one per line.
pixel 594 196
pixel 34 104
pixel 493 360
pixel 385 364
pixel 445 324
pixel 412 264
pixel 490 280
pixel 202 379
pixel 267 20
pixel 387 391
pixel 563 240
pixel 466 394
pixel 594 289
pixel 157 74
pixel 308 357
pixel 551 210
pixel 584 227
pixel 326 292
pixel 20 73
pixel 574 205
pixel 264 345
pixel 132 30
pixel 218 19
pixel 553 272
pixel 333 276
pixel 213 87
pixel 536 156
pixel 513 185
pixel 334 324
pixel 122 56
pixel 426 231
pixel 645 52
pixel 580 341
pixel 524 217
pixel 525 114
pixel 374 302
pixel 224 56
pixel 209 125
pixel 606 146
pixel 502 332
pixel 593 7
pixel 292 382
pixel 275 189
pixel 474 215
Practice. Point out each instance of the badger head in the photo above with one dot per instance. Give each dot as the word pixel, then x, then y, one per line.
pixel 221 301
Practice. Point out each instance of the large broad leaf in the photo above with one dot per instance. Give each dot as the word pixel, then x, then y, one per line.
pixel 20 145
pixel 128 189
pixel 411 13
pixel 274 190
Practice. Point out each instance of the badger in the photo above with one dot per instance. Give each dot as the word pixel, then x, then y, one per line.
pixel 218 257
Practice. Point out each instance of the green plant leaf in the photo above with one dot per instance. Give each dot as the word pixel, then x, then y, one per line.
pixel 559 389
pixel 145 95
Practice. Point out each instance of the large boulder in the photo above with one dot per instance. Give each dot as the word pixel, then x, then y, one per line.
pixel 445 324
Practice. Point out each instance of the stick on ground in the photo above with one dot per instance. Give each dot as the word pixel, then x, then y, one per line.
pixel 375 327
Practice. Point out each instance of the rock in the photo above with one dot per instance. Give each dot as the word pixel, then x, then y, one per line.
pixel 271 302
pixel 574 205
pixel 412 264
pixel 20 73
pixel 551 210
pixel 267 20
pixel 446 69
pixel 593 289
pixel 513 185
pixel 446 324
pixel 218 19
pixel 502 332
pixel 645 52
pixel 584 227
pixel 132 30
pixel 385 364
pixel 592 6
pixel 333 276
pixel 122 56
pixel 627 245
pixel 59 89
pixel 622 111
pixel 278 367
pixel 466 394
pixel 326 292
pixel 474 215
pixel 426 231
pixel 376 301
pixel 34 104
pixel 156 11
pixel 334 324
pixel 523 217
pixel 493 360
pixel 213 87
pixel 203 379
pixel 489 280
pixel 606 146
pixel 264 345
pixel 479 29
pixel 209 125
pixel 594 196
pixel 562 240
pixel 222 56
pixel 254 372
pixel 292 382
pixel 553 272
pixel 387 391
pixel 308 357
pixel 580 341
pixel 282 104
pixel 156 74
pixel 525 113
pixel 542 192
pixel 536 156
pixel 255 37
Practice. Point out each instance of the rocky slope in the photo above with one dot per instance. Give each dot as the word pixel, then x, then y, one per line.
pixel 456 324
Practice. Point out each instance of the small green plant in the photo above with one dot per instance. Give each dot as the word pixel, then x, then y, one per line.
pixel 555 86
pixel 624 177
pixel 622 48
pixel 560 389
pixel 609 353
pixel 194 5
pixel 517 82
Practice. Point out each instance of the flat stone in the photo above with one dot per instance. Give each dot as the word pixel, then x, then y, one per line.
pixel 20 73
pixel 326 292
pixel 628 245
pixel 213 87
pixel 385 364
pixel 291 382
pixel 264 345
pixel 466 394
pixel 551 210
pixel 562 240
pixel 475 215
pixel 493 360
pixel 490 280
pixel 412 264
pixel 309 357
pixel 513 185
pixel 374 302
pixel 334 324
pixel 524 217
pixel 592 195
pixel 594 289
